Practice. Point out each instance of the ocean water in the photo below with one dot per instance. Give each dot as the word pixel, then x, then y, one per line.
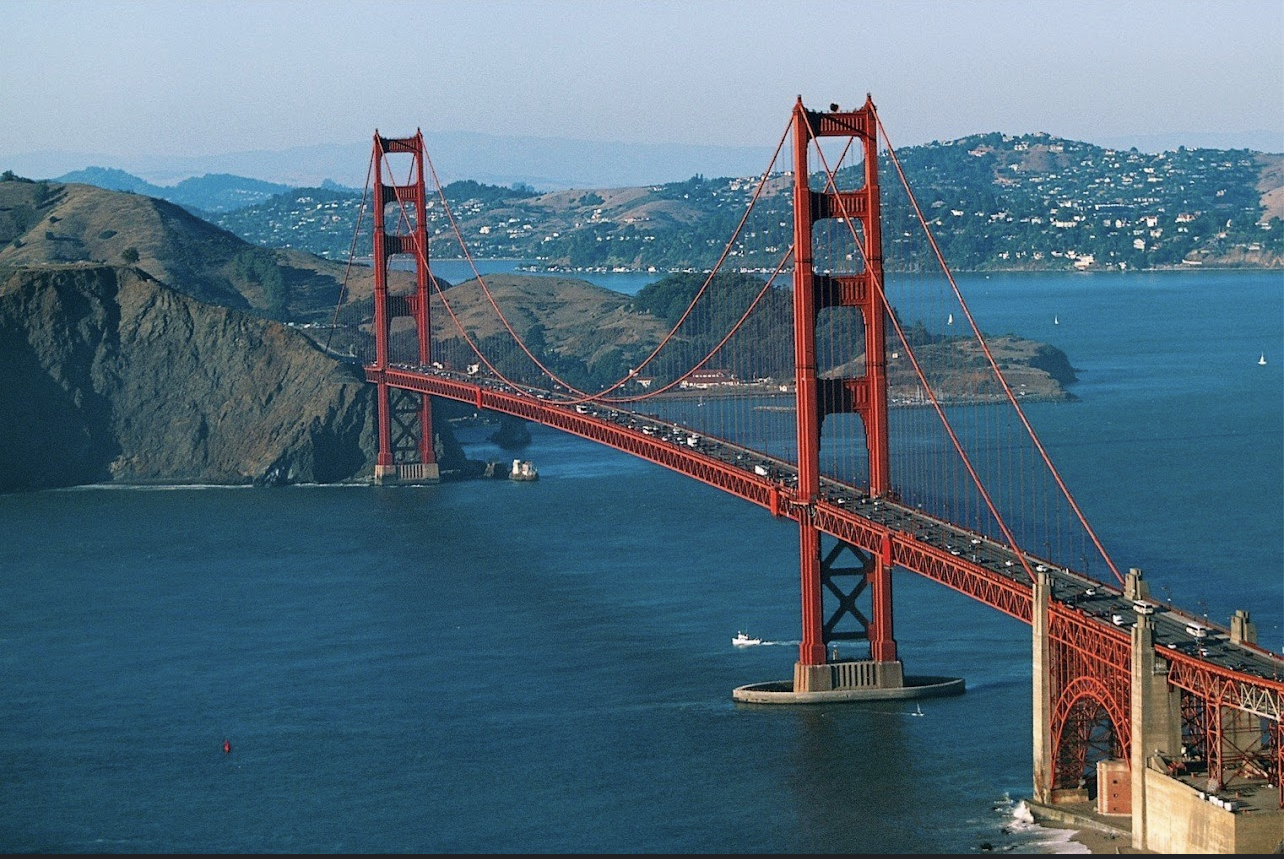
pixel 546 667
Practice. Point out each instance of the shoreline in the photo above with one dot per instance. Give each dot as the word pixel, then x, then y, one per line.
pixel 1093 269
pixel 1094 841
pixel 1092 832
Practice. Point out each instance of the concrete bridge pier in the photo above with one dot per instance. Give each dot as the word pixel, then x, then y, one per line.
pixel 1041 684
pixel 1169 812
pixel 837 675
pixel 407 473
pixel 1156 722
pixel 840 680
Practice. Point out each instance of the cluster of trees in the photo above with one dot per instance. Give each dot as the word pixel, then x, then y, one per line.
pixel 258 265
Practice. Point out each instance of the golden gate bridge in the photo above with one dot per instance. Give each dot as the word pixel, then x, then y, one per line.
pixel 828 369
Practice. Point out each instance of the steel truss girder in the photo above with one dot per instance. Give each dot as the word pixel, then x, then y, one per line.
pixel 1194 730
pixel 904 550
pixel 894 547
pixel 1217 692
pixel 830 573
pixel 406 410
pixel 1264 698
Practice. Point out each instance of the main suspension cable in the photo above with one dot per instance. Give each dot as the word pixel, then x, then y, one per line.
pixel 1047 460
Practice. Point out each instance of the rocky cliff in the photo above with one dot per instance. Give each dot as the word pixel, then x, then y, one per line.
pixel 108 375
pixel 137 345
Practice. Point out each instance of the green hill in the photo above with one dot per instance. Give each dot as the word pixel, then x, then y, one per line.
pixel 47 222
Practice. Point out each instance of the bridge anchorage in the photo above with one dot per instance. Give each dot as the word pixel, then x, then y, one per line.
pixel 1153 719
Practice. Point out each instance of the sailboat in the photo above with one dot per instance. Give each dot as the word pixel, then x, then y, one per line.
pixel 950 321
pixel 918 710
pixel 1056 320
pixel 1262 360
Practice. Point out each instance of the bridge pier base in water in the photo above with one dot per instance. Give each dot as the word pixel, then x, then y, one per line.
pixel 848 680
pixel 848 674
pixel 408 473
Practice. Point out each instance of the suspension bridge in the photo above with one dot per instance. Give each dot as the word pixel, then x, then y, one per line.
pixel 827 368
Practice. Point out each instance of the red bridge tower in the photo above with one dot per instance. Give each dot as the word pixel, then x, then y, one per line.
pixel 865 395
pixel 406 441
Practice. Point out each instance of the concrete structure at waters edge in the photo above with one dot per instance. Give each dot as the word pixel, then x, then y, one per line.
pixel 852 680
pixel 1180 818
pixel 1150 795
pixel 408 473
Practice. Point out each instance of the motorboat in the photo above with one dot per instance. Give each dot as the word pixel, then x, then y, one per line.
pixel 743 639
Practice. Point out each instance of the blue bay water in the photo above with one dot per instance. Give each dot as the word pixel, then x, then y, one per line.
pixel 546 667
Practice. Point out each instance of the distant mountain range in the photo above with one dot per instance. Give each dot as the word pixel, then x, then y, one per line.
pixel 211 193
pixel 546 164
pixel 543 163
pixel 998 203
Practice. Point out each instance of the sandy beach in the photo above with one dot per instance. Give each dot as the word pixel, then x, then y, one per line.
pixel 1081 833
pixel 1096 841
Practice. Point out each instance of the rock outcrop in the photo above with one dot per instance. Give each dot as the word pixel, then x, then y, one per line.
pixel 108 375
pixel 140 344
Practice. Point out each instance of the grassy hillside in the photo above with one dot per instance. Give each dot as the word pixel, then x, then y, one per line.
pixel 45 222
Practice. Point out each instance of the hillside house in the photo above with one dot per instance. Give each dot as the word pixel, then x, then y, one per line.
pixel 702 380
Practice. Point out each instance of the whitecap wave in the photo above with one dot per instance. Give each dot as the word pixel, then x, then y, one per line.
pixel 1043 839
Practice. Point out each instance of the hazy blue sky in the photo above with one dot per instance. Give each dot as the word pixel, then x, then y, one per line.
pixel 219 76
